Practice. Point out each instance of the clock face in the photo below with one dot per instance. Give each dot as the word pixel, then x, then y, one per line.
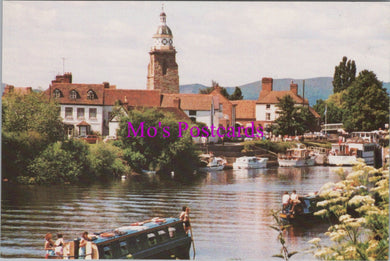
pixel 170 41
pixel 164 41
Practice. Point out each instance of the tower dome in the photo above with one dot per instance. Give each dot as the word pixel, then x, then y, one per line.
pixel 163 37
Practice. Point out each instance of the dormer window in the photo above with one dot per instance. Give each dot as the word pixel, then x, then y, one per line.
pixel 73 95
pixel 91 95
pixel 57 93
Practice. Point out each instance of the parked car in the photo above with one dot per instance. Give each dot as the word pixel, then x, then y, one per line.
pixel 92 139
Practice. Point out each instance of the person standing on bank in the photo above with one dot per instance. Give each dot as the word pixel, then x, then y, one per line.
pixel 185 217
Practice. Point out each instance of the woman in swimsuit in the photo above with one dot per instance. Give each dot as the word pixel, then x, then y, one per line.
pixel 185 217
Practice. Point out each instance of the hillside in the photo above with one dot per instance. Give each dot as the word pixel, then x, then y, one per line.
pixel 315 88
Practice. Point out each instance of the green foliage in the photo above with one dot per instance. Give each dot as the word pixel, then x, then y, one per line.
pixel 237 94
pixel 366 106
pixel 276 147
pixel 32 112
pixel 362 232
pixel 163 154
pixel 105 161
pixel 280 228
pixel 293 120
pixel 60 162
pixel 18 150
pixel 334 113
pixel 344 75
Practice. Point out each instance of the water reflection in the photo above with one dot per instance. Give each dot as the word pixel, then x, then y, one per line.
pixel 229 209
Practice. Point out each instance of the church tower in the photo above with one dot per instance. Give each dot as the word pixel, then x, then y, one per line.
pixel 163 73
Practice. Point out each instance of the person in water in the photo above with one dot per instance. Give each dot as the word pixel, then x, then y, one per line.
pixel 59 245
pixel 82 245
pixel 185 217
pixel 49 245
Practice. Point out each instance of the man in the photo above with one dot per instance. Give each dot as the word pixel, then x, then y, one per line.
pixel 286 200
pixel 294 200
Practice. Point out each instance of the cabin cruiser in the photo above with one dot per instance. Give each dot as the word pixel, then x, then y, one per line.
pixel 210 162
pixel 296 157
pixel 247 162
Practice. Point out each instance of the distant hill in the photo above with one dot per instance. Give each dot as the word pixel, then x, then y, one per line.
pixel 315 88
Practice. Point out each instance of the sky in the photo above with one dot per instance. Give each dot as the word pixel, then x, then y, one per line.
pixel 233 43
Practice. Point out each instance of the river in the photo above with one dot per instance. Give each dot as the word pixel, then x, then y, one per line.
pixel 229 211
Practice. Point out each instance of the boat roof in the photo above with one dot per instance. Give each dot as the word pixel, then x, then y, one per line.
pixel 133 229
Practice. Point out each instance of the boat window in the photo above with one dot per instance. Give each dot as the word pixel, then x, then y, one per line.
pixel 152 239
pixel 163 234
pixel 123 247
pixel 107 252
pixel 172 232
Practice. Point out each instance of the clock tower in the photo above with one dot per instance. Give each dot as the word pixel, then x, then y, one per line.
pixel 162 69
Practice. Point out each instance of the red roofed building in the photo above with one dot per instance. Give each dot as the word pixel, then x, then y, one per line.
pixel 10 89
pixel 266 105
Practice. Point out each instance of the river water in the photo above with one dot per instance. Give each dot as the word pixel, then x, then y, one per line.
pixel 229 211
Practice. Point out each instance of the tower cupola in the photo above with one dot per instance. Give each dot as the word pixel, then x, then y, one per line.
pixel 163 38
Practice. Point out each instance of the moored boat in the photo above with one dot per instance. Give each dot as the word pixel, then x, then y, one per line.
pixel 296 157
pixel 248 162
pixel 347 153
pixel 210 162
pixel 152 239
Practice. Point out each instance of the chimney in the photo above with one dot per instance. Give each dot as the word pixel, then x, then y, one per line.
pixel 266 86
pixel 125 102
pixel 176 102
pixel 294 87
pixel 66 78
pixel 106 85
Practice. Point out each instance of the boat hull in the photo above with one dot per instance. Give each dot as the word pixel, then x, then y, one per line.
pixel 257 165
pixel 342 160
pixel 296 162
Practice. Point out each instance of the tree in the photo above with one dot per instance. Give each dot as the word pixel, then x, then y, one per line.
pixel 334 113
pixel 237 94
pixel 32 112
pixel 156 150
pixel 366 105
pixel 344 75
pixel 292 120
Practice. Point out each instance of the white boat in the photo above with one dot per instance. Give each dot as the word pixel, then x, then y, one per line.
pixel 297 157
pixel 211 162
pixel 250 163
pixel 321 155
pixel 347 153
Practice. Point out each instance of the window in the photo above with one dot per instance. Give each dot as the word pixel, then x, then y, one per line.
pixel 91 95
pixel 268 106
pixel 163 235
pixel 123 247
pixel 92 113
pixel 73 95
pixel 57 93
pixel 268 116
pixel 68 113
pixel 152 239
pixel 172 232
pixel 164 67
pixel 80 113
pixel 220 107
pixel 107 252
pixel 192 113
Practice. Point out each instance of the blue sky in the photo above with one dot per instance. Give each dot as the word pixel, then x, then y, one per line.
pixel 233 43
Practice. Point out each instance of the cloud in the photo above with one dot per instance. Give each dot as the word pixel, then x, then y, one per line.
pixel 231 42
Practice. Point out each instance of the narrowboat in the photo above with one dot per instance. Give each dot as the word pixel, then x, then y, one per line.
pixel 152 239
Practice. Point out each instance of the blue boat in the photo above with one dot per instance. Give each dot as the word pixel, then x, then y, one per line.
pixel 157 238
